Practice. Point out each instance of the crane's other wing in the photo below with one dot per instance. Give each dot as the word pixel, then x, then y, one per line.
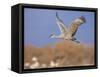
pixel 61 25
pixel 75 24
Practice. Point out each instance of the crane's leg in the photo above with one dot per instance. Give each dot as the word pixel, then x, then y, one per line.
pixel 75 40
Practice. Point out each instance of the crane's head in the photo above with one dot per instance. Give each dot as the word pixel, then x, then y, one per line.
pixel 52 36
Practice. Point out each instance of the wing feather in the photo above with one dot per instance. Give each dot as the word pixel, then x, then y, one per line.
pixel 75 24
pixel 61 25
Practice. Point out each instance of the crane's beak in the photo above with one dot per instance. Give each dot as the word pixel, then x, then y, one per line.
pixel 50 35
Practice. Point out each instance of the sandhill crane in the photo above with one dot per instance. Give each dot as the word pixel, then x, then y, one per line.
pixel 68 33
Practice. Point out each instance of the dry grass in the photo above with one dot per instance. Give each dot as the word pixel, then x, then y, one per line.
pixel 65 53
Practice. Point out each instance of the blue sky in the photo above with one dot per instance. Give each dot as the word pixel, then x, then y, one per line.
pixel 39 24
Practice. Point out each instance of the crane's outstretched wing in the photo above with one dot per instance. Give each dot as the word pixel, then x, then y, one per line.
pixel 61 25
pixel 75 24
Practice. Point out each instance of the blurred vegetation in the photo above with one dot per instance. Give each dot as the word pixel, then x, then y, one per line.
pixel 65 53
